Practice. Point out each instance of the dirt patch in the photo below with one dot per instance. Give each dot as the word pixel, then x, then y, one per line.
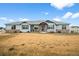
pixel 40 44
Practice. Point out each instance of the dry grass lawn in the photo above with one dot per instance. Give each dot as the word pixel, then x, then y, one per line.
pixel 37 44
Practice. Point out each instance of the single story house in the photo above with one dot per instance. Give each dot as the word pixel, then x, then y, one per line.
pixel 74 29
pixel 37 26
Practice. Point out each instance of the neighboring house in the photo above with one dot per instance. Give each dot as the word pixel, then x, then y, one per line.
pixel 38 26
pixel 2 29
pixel 74 29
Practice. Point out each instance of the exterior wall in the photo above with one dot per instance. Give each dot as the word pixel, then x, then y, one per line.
pixel 67 27
pixel 74 30
pixel 18 27
pixel 8 27
pixel 51 30
pixel 59 28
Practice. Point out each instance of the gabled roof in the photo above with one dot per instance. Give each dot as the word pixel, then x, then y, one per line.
pixel 36 22
pixel 74 26
pixel 20 22
pixel 48 21
pixel 59 22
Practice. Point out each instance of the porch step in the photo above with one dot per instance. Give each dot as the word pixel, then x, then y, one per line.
pixel 43 32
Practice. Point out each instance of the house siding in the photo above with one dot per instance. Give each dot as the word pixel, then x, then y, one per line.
pixel 74 30
pixel 18 27
pixel 59 27
pixel 51 30
pixel 8 27
pixel 67 27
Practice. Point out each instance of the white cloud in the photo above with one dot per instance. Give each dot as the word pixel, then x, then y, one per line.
pixel 11 20
pixel 71 4
pixel 59 4
pixel 76 15
pixel 23 19
pixel 56 19
pixel 71 15
pixel 46 13
pixel 67 15
pixel 3 18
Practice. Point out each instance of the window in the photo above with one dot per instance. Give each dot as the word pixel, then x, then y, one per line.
pixel 51 27
pixel 57 25
pixel 25 27
pixel 63 26
pixel 14 27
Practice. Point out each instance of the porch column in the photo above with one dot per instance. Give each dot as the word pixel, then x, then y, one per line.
pixel 29 28
pixel 40 29
pixel 45 28
pixel 55 28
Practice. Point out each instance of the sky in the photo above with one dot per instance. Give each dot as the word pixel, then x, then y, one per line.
pixel 65 12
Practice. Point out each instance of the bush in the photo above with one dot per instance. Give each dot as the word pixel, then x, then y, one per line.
pixel 11 49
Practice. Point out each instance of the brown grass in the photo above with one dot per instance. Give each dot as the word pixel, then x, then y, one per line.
pixel 36 44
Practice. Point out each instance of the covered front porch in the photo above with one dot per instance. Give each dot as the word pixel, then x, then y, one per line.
pixel 42 27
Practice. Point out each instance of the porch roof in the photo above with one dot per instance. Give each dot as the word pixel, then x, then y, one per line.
pixel 59 22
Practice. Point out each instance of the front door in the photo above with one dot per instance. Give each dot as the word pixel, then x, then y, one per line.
pixel 43 27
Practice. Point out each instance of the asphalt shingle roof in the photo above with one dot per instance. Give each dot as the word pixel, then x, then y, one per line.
pixel 36 22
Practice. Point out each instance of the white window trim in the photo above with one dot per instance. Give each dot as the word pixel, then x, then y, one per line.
pixel 26 27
